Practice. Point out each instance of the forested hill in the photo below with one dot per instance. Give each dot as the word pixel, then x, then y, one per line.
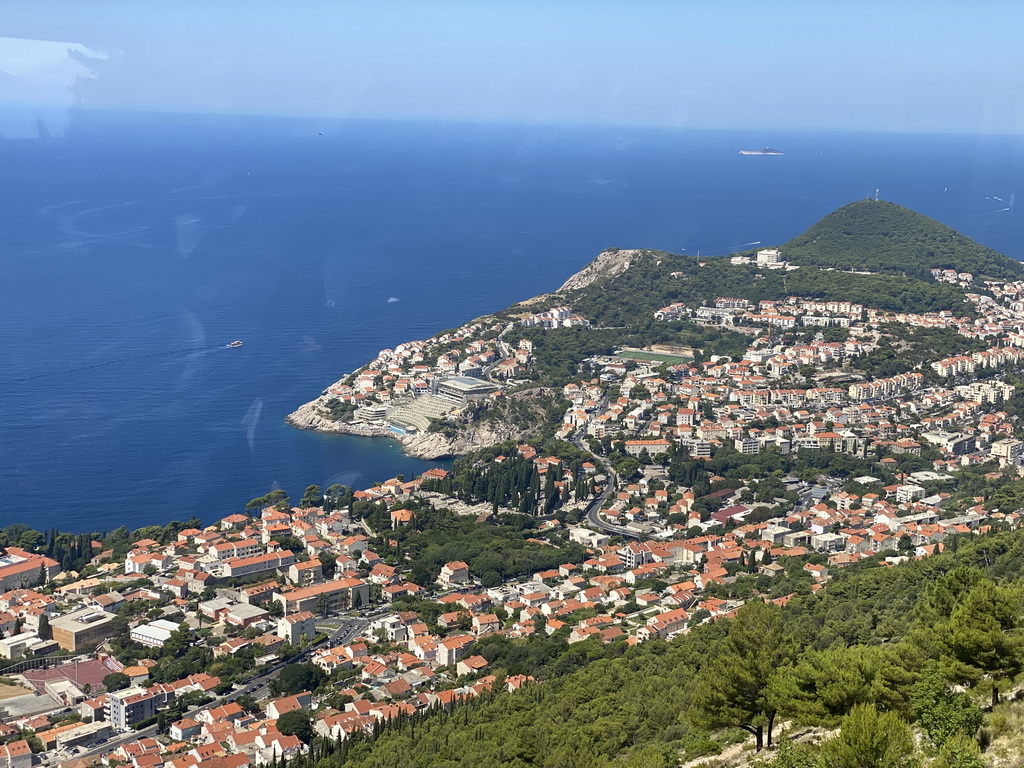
pixel 896 246
pixel 656 279
pixel 878 236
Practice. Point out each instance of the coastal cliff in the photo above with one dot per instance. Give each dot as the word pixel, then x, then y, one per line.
pixel 310 416
pixel 519 416
pixel 470 437
pixel 607 264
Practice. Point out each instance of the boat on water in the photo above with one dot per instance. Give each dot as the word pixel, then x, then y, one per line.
pixel 765 151
pixel 235 343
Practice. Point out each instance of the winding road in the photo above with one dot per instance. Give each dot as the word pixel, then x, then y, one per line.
pixel 594 507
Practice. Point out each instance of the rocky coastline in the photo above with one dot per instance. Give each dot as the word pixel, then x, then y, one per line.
pixel 469 435
pixel 308 416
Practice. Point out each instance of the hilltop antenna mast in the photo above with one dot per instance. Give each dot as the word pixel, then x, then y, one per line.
pixel 876 194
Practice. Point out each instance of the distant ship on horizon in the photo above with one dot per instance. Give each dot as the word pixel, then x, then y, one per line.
pixel 765 151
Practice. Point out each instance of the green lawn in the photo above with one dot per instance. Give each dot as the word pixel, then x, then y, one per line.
pixel 649 357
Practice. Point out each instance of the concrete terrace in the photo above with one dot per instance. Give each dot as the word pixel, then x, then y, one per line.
pixel 418 412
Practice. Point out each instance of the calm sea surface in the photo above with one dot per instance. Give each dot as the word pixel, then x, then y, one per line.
pixel 136 247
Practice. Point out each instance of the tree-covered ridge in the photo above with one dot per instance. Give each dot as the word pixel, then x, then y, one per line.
pixel 656 280
pixel 879 236
pixel 866 236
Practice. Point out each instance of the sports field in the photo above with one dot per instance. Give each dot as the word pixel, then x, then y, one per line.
pixel 82 672
pixel 653 357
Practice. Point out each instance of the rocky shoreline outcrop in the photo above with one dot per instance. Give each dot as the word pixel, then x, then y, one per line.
pixel 469 437
pixel 309 417
pixel 464 435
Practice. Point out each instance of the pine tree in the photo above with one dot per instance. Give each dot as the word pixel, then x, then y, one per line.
pixel 983 638
pixel 869 739
pixel 733 688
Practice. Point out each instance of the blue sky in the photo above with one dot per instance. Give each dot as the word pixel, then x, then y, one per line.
pixel 817 64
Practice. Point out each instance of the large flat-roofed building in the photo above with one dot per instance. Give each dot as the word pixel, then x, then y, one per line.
pixel 243 614
pixel 26 644
pixel 85 734
pixel 1008 451
pixel 952 442
pixel 154 634
pixel 769 256
pixel 86 627
pixel 463 389
pixel 587 537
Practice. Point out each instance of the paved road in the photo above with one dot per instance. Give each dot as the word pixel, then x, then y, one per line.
pixel 593 509
pixel 350 628
pixel 594 520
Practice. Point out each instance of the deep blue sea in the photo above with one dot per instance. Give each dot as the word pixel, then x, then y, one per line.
pixel 136 246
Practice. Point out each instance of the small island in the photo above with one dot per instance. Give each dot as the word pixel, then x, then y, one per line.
pixel 765 151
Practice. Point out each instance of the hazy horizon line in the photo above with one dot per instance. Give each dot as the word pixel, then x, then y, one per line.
pixel 37 112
